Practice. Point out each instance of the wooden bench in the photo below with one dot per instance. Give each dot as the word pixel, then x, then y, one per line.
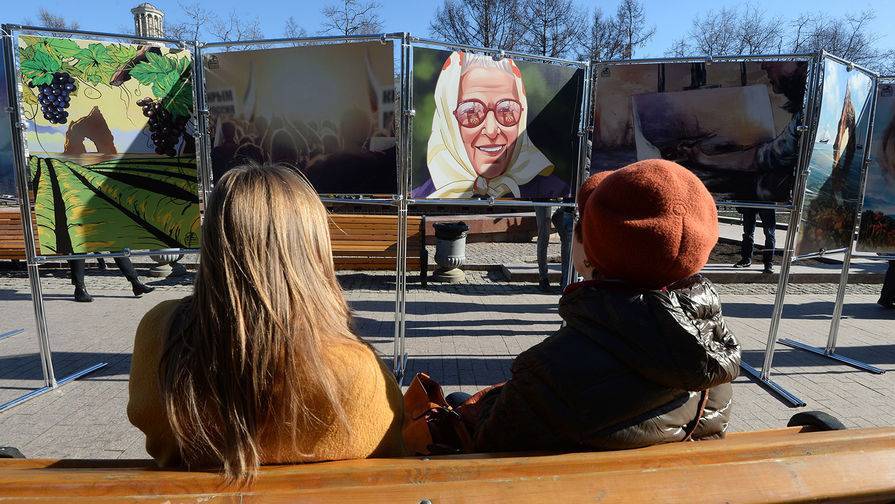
pixel 12 240
pixel 370 242
pixel 783 465
pixel 359 242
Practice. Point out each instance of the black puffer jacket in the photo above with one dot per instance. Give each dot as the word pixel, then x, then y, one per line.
pixel 629 369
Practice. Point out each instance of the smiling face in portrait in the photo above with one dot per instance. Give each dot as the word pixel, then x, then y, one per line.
pixel 489 145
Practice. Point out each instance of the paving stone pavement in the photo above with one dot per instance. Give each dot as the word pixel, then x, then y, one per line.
pixel 464 335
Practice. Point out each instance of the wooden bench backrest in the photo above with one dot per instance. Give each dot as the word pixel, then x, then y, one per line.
pixel 752 467
pixel 370 241
pixel 358 236
pixel 12 240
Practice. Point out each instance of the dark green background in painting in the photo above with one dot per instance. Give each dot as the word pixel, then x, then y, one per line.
pixel 7 162
pixel 554 95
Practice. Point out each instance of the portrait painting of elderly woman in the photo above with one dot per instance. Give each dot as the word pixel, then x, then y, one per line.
pixel 480 143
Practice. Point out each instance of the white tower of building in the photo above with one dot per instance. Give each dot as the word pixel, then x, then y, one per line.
pixel 148 21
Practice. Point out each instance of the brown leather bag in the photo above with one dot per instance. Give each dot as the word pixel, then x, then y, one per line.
pixel 431 426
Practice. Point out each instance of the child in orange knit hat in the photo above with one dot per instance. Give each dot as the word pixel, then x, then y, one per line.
pixel 645 356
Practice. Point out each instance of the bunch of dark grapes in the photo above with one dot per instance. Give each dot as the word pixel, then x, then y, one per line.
pixel 165 128
pixel 54 97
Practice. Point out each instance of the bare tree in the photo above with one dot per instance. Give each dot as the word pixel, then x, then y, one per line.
pixel 886 65
pixel 236 28
pixel 194 20
pixel 601 39
pixel 846 37
pixel 351 17
pixel 679 48
pixel 293 30
pixel 758 33
pixel 47 19
pixel 551 27
pixel 486 23
pixel 630 21
pixel 732 30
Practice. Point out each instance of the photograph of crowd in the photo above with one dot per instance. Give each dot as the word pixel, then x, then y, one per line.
pixel 487 127
pixel 833 188
pixel 734 124
pixel 334 120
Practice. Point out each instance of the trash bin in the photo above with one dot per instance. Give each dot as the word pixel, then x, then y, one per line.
pixel 450 251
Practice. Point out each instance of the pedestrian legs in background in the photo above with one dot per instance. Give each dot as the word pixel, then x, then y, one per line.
pixel 564 221
pixel 887 295
pixel 542 213
pixel 769 225
pixel 78 267
pixel 748 244
pixel 747 247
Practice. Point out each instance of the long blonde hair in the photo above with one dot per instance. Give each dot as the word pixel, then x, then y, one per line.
pixel 246 358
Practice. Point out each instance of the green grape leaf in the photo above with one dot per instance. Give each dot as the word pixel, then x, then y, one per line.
pixel 41 67
pixel 60 47
pixel 122 54
pixel 95 64
pixel 152 70
pixel 179 101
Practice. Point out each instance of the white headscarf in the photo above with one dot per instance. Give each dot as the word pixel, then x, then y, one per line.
pixel 449 165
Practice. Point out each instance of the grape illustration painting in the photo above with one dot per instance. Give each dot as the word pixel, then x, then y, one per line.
pixel 110 138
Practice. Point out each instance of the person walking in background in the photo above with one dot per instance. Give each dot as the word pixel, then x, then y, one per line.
pixel 260 365
pixel 887 295
pixel 747 248
pixel 78 268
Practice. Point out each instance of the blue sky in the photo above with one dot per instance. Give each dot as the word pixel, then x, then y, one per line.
pixel 672 18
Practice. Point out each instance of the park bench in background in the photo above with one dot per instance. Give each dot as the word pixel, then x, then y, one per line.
pixel 12 241
pixel 369 242
pixel 764 466
pixel 359 242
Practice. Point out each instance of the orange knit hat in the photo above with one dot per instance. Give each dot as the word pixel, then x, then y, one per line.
pixel 648 224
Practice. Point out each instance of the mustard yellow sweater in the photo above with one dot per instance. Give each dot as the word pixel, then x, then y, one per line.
pixel 371 398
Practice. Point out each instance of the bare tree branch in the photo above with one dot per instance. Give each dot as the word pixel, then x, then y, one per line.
pixel 601 40
pixel 630 21
pixel 351 17
pixel 486 23
pixel 195 18
pixel 551 27
pixel 293 30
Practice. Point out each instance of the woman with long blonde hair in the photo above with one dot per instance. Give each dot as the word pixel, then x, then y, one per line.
pixel 260 364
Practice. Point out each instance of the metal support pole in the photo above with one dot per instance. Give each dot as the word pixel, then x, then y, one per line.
pixel 201 133
pixel 9 334
pixel 399 358
pixel 805 144
pixel 20 155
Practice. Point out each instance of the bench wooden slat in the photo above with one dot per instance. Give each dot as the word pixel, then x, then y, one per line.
pixel 754 467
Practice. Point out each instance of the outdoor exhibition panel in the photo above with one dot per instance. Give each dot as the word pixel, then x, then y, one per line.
pixel 324 107
pixel 835 181
pixel 7 164
pixel 875 238
pixel 734 122
pixel 877 229
pixel 111 154
pixel 837 159
pixel 104 152
pixel 492 125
